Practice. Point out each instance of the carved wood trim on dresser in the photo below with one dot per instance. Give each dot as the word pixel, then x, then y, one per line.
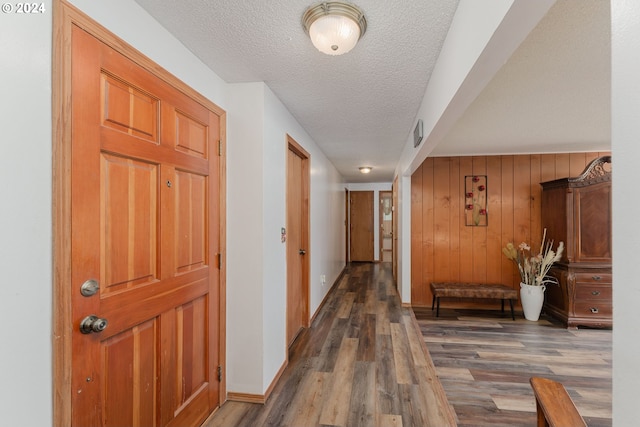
pixel 578 212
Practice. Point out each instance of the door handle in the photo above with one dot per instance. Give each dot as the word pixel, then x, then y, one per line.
pixel 93 323
pixel 302 252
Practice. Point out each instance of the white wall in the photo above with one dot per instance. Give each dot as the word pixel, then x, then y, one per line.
pixel 25 216
pixel 257 123
pixel 326 204
pixel 404 241
pixel 125 18
pixel 25 219
pixel 245 234
pixel 274 281
pixel 479 42
pixel 625 148
pixel 265 186
pixel 625 110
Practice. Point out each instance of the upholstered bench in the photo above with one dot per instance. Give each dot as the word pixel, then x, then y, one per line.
pixel 472 290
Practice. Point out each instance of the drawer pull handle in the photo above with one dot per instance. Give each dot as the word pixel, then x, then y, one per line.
pixel 596 277
pixel 595 293
pixel 594 310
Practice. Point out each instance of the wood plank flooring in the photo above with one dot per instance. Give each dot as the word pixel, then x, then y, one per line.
pixel 484 361
pixel 361 363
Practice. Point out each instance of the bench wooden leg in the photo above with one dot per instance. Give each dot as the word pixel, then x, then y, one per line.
pixel 433 301
pixel 502 305
pixel 511 304
pixel 438 307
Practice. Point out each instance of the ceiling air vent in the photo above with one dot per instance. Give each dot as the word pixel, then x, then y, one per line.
pixel 417 134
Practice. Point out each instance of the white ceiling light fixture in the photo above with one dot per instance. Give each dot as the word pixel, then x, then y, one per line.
pixel 365 169
pixel 334 27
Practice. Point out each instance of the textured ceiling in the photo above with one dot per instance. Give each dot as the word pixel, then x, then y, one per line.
pixel 554 93
pixel 360 107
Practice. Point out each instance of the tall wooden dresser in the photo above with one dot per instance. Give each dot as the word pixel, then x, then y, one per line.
pixel 577 211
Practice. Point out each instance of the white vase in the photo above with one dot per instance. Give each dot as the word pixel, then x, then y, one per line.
pixel 532 298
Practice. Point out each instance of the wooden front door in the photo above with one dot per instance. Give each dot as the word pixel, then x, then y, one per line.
pixel 145 218
pixel 297 239
pixel 361 220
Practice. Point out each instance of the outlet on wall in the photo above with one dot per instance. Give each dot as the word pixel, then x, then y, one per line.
pixel 323 279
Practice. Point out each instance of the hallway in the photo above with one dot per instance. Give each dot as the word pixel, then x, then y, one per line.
pixel 361 363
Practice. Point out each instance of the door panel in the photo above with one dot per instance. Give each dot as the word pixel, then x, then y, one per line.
pixel 190 220
pixel 129 110
pixel 129 373
pixel 145 225
pixel 129 196
pixel 361 220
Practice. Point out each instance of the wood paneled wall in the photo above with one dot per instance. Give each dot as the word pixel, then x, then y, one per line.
pixel 444 249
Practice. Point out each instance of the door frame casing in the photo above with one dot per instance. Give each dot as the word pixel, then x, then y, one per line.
pixel 292 145
pixel 346 227
pixel 65 17
pixel 381 221
pixel 394 218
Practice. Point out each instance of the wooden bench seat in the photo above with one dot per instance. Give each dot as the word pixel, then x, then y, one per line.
pixel 473 290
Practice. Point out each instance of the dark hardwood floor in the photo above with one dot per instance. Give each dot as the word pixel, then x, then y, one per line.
pixel 484 361
pixel 361 363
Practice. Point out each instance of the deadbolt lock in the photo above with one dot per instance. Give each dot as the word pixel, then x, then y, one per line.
pixel 89 288
pixel 93 324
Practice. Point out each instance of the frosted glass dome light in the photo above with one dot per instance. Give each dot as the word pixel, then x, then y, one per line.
pixel 334 27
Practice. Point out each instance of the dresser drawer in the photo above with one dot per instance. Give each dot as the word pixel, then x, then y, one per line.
pixel 592 278
pixel 602 292
pixel 593 308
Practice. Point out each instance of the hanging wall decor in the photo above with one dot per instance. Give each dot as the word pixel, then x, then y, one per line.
pixel 475 200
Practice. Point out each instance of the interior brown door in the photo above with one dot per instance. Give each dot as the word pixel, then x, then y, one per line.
pixel 297 240
pixel 145 238
pixel 361 220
